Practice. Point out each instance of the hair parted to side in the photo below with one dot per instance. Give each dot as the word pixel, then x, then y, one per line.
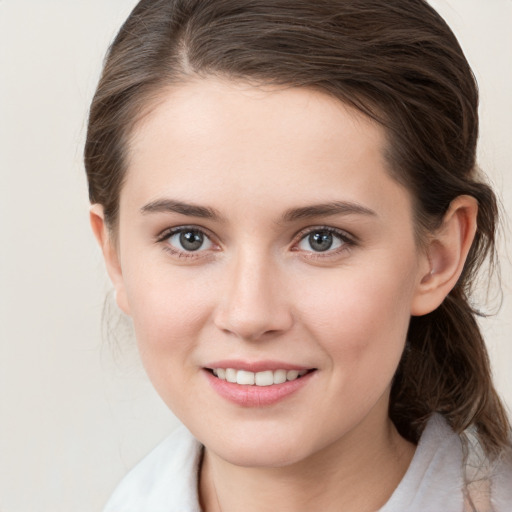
pixel 395 61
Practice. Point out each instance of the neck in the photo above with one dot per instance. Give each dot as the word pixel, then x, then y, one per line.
pixel 357 473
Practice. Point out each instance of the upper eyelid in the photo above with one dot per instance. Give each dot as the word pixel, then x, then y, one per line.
pixel 338 231
pixel 167 232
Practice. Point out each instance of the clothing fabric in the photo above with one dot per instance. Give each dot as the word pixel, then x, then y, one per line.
pixel 166 479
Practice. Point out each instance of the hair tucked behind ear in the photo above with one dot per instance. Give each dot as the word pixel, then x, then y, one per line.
pixel 445 363
pixel 398 63
pixel 445 366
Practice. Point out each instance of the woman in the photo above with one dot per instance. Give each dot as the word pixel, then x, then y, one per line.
pixel 288 204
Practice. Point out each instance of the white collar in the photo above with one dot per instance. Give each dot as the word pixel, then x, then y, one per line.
pixel 166 480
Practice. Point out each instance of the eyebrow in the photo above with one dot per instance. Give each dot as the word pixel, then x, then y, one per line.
pixel 172 206
pixel 291 215
pixel 327 209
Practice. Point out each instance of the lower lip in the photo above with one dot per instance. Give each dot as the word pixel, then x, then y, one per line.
pixel 256 396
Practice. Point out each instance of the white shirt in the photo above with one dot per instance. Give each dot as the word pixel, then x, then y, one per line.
pixel 166 479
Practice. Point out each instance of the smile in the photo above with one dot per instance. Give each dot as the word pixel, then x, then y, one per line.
pixel 259 388
pixel 263 378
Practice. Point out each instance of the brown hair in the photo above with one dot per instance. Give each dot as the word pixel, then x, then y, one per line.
pixel 395 61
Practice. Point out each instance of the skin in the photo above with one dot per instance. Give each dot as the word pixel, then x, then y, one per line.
pixel 257 290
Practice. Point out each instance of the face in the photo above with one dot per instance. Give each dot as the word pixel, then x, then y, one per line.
pixel 262 240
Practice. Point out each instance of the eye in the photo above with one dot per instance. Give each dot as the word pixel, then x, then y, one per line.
pixel 324 239
pixel 185 239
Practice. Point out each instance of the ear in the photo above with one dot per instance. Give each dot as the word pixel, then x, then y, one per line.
pixel 110 254
pixel 446 252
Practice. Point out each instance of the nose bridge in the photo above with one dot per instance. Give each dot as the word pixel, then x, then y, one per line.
pixel 255 303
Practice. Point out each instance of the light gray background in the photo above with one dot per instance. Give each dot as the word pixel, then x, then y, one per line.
pixel 76 412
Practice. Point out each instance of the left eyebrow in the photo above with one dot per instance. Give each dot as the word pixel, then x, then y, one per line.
pixel 327 209
pixel 173 206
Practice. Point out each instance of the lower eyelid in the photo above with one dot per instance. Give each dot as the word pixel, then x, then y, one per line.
pixel 176 253
pixel 191 256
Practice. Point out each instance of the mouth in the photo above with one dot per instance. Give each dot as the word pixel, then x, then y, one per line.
pixel 257 383
pixel 260 379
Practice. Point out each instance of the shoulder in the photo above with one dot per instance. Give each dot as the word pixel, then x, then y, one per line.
pixel 501 484
pixel 165 480
pixel 488 482
pixel 434 479
pixel 447 473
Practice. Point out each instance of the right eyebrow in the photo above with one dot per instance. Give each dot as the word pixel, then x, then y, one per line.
pixel 173 206
pixel 327 209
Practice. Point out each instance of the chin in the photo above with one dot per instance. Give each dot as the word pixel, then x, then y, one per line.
pixel 260 449
pixel 259 457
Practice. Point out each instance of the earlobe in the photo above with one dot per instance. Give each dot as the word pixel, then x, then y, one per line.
pixel 110 254
pixel 446 253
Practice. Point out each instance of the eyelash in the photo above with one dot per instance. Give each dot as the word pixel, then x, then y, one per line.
pixel 347 241
pixel 168 233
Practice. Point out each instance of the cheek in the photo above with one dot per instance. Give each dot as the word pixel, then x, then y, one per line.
pixel 360 318
pixel 168 308
pixel 168 313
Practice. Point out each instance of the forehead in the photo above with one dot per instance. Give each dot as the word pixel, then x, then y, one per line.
pixel 227 142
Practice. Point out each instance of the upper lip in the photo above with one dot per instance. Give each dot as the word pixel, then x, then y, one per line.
pixel 256 366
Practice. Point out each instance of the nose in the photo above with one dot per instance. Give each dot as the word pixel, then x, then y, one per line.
pixel 255 304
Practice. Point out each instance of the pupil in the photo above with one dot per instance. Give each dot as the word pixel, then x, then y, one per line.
pixel 320 241
pixel 191 240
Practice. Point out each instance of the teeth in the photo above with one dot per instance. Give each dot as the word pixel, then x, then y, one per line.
pixel 245 378
pixel 265 378
pixel 231 375
pixel 292 374
pixel 279 376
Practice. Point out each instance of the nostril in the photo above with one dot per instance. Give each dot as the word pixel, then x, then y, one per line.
pixel 254 325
